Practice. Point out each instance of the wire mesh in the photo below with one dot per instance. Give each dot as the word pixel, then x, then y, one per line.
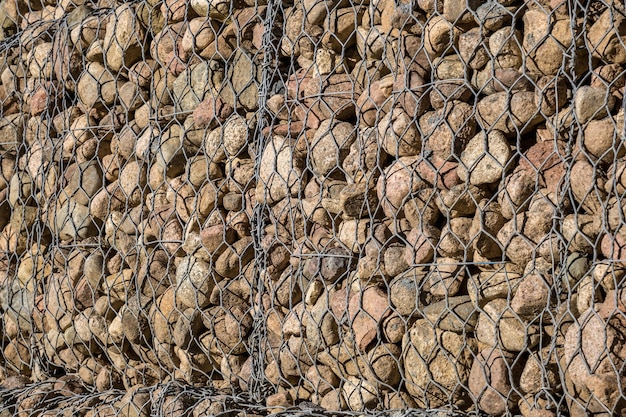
pixel 334 208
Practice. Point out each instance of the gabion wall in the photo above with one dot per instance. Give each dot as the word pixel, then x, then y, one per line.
pixel 237 207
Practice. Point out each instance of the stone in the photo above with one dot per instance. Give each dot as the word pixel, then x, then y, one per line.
pixel 439 36
pixel 606 36
pixel 135 402
pixel 335 263
pixel 531 407
pixel 194 85
pixel 546 160
pixel 340 26
pixel 449 90
pixel 472 48
pixel 72 221
pixel 235 258
pixel 372 101
pixel 592 103
pixel 460 200
pixel 598 138
pixel 499 326
pixel 199 34
pixel 489 285
pixel 211 112
pixel 455 314
pixel 365 155
pixel 504 45
pixel 280 172
pixel 409 89
pixel 422 209
pixel 551 94
pixel 448 130
pixel 518 246
pixel 446 277
pixel 194 283
pixel 331 144
pixel 454 238
pixel 244 75
pixel 84 180
pixel 484 228
pixel 493 15
pixel 366 311
pixel 333 400
pixel 587 186
pixel 371 42
pixel 134 320
pixel 394 261
pixel 123 39
pixel 97 86
pixel 228 328
pixel 188 328
pixel 141 73
pixel 405 290
pixel 357 200
pixel 398 181
pixel 394 328
pixel 241 174
pixel 436 382
pixel 610 76
pixel 540 366
pixel 321 379
pixel 490 381
pixel 399 134
pixel 164 47
pixel 215 9
pixel 329 97
pixel 279 401
pixel 511 115
pixel 591 349
pixel 359 394
pixel 132 179
pixel 421 245
pixel 545 42
pixel 485 158
pixel 235 135
pixel 534 293
pixel 11 130
pixel 320 324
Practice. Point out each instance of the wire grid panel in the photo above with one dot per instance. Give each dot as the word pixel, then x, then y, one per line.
pixel 245 207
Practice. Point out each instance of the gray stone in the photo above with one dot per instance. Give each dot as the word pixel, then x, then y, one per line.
pixel 244 78
pixel 193 85
pixel 194 283
pixel 330 145
pixel 435 382
pixel 455 314
pixel 592 103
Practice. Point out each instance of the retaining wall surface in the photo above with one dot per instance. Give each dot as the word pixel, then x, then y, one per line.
pixel 377 205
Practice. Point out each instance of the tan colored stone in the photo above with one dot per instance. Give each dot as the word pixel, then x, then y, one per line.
pixel 606 36
pixel 423 341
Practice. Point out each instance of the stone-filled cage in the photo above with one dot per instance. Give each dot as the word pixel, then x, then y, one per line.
pixel 254 207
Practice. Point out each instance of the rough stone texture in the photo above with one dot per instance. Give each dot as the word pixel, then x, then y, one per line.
pixel 399 134
pixel 499 326
pixel 427 190
pixel 280 171
pixel 194 283
pixel 124 40
pixel 397 182
pixel 595 343
pixel 490 381
pixel 485 158
pixel 331 145
pixel 428 354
